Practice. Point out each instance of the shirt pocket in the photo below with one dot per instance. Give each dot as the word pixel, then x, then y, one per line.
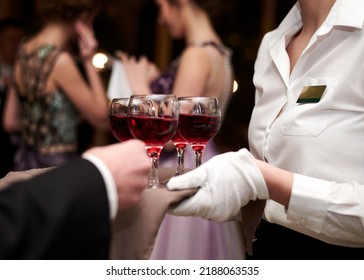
pixel 308 119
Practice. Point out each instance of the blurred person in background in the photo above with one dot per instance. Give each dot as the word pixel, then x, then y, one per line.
pixel 49 95
pixel 202 69
pixel 12 31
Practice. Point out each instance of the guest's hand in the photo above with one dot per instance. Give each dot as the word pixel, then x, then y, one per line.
pixel 141 72
pixel 86 39
pixel 226 183
pixel 130 167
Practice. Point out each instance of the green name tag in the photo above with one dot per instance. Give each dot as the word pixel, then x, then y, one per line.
pixel 311 94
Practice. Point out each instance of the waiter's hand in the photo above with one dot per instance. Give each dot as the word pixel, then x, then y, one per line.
pixel 226 183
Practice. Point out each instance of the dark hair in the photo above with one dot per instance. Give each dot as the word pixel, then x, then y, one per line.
pixel 211 7
pixel 66 10
pixel 11 22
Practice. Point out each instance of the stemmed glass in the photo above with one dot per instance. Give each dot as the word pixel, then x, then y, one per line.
pixel 199 122
pixel 153 119
pixel 118 116
pixel 180 144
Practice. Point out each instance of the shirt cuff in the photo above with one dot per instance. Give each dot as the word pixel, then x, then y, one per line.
pixel 309 202
pixel 109 183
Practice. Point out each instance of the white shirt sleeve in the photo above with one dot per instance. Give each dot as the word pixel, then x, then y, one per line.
pixel 109 183
pixel 334 211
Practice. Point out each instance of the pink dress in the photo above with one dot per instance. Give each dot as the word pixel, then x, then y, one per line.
pixel 184 238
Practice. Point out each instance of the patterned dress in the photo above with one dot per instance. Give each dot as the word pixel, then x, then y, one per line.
pixel 48 119
pixel 192 237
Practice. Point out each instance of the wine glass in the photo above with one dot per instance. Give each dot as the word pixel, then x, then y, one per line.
pixel 180 144
pixel 118 116
pixel 153 119
pixel 199 122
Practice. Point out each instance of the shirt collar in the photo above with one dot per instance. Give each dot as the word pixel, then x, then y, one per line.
pixel 347 13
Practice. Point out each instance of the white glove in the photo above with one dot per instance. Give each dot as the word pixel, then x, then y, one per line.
pixel 226 183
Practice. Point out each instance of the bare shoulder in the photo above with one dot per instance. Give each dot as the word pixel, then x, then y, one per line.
pixel 65 67
pixel 65 70
pixel 195 55
pixel 64 59
pixel 194 52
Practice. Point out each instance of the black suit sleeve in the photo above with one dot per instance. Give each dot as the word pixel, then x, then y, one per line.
pixel 62 214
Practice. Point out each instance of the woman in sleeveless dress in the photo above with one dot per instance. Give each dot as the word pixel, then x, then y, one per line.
pixel 203 69
pixel 49 95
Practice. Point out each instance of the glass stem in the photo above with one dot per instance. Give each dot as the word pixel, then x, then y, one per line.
pixel 154 178
pixel 198 153
pixel 181 160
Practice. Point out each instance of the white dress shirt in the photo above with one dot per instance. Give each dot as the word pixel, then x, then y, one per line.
pixel 321 142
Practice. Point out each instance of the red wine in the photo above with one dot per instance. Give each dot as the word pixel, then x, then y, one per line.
pixel 178 140
pixel 198 129
pixel 154 131
pixel 154 150
pixel 120 128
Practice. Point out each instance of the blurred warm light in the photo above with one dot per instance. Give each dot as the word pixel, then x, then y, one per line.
pixel 235 86
pixel 99 60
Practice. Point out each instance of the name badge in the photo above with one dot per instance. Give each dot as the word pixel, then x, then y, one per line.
pixel 311 94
